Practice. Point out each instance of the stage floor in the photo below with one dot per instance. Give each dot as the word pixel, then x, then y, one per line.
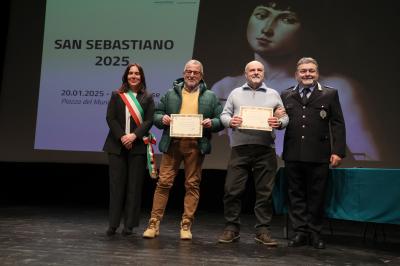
pixel 60 235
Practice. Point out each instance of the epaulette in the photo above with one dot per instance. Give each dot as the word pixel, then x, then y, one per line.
pixel 329 87
pixel 290 88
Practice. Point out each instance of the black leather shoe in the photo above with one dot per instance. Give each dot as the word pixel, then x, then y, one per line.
pixel 111 231
pixel 126 232
pixel 298 240
pixel 318 242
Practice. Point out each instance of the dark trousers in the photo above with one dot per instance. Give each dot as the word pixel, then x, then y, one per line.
pixel 127 172
pixel 261 160
pixel 307 184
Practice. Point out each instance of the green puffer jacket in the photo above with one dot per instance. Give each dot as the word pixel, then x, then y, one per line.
pixel 171 103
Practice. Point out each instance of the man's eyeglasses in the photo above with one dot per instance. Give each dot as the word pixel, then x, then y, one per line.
pixel 195 73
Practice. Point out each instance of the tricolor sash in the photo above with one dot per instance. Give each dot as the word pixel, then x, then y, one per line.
pixel 137 114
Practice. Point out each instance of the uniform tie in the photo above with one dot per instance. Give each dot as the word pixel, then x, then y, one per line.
pixel 304 99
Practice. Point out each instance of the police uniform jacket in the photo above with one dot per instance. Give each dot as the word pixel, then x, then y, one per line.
pixel 316 129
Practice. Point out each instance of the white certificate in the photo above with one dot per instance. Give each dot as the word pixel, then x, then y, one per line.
pixel 255 117
pixel 186 125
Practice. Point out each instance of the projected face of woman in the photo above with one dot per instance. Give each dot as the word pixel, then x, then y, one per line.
pixel 134 78
pixel 272 32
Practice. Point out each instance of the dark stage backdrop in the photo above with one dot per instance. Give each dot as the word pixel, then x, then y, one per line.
pixel 63 59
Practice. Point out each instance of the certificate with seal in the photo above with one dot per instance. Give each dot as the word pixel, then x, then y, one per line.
pixel 255 117
pixel 186 125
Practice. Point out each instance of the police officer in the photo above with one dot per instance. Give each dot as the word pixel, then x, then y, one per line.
pixel 314 139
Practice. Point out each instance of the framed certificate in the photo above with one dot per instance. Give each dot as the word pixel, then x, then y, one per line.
pixel 255 117
pixel 186 125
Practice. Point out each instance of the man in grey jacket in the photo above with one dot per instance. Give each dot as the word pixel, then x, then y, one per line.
pixel 252 150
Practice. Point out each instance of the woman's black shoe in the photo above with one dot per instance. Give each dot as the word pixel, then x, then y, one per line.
pixel 111 231
pixel 126 232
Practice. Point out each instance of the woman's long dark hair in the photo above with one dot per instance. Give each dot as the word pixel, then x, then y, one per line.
pixel 125 86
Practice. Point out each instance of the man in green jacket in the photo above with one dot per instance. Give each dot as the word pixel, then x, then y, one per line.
pixel 189 95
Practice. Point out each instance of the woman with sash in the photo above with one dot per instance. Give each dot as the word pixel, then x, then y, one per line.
pixel 128 144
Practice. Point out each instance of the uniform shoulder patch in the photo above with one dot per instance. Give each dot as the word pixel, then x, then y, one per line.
pixel 329 87
pixel 290 88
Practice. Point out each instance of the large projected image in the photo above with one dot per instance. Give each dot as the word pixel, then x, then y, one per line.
pixel 86 47
pixel 278 34
pixel 78 50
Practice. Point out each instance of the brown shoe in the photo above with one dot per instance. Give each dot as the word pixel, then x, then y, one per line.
pixel 153 229
pixel 186 234
pixel 266 239
pixel 228 236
